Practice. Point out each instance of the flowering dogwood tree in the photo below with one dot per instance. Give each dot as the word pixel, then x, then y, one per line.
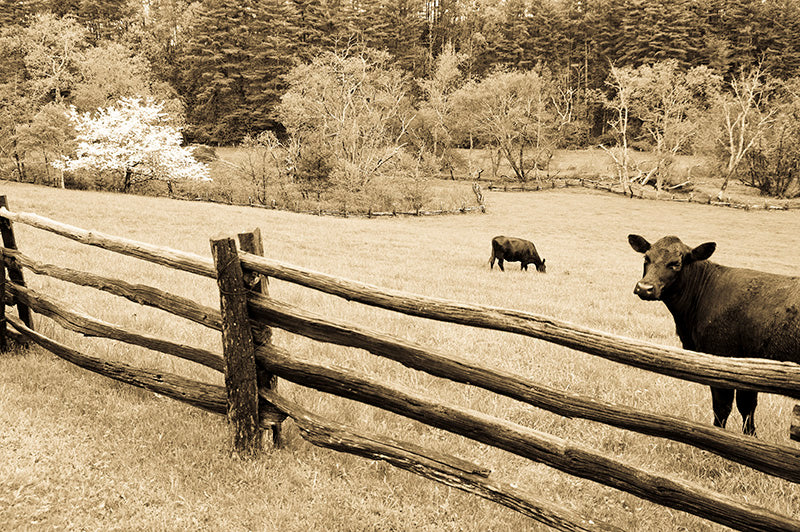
pixel 133 137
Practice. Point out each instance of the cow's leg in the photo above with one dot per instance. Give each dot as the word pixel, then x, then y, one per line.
pixel 491 262
pixel 523 266
pixel 746 401
pixel 722 401
pixel 500 263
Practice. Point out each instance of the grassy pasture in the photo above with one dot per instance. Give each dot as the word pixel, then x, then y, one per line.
pixel 80 452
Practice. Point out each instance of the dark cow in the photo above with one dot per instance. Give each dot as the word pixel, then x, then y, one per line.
pixel 515 250
pixel 733 312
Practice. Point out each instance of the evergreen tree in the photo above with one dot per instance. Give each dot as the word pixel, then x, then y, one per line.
pixel 731 34
pixel 658 31
pixel 160 34
pixel 513 47
pixel 322 25
pixel 397 28
pixel 548 38
pixel 14 12
pixel 105 19
pixel 234 68
pixel 778 44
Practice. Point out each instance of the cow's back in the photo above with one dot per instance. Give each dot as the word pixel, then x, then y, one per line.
pixel 499 245
pixel 743 313
pixel 513 249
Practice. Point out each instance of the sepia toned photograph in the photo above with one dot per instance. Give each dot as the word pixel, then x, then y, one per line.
pixel 410 266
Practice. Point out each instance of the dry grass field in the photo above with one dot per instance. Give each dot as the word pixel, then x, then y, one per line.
pixel 80 452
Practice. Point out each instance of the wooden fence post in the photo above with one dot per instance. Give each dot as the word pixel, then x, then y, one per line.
pixel 794 430
pixel 14 271
pixel 3 341
pixel 241 384
pixel 251 243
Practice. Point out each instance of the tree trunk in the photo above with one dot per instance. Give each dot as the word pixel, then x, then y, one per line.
pixel 46 167
pixel 126 182
pixel 20 164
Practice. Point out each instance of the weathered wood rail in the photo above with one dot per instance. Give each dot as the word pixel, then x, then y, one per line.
pixel 250 362
pixel 637 191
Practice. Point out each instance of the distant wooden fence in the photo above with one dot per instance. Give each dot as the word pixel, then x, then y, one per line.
pixel 371 213
pixel 639 192
pixel 250 362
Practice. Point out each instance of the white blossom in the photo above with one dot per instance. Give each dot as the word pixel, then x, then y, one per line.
pixel 135 136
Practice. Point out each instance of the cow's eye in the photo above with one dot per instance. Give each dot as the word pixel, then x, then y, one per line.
pixel 646 259
pixel 674 265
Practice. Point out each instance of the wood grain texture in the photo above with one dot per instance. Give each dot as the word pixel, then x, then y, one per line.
pixel 448 470
pixel 14 271
pixel 794 430
pixel 209 397
pixel 3 327
pixel 179 260
pixel 538 446
pixel 769 376
pixel 241 384
pixel 778 460
pixel 137 293
pixel 87 325
pixel 255 283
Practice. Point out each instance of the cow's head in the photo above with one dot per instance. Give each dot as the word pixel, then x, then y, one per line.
pixel 663 262
pixel 541 267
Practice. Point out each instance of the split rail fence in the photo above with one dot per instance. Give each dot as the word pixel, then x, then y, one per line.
pixel 251 362
pixel 640 192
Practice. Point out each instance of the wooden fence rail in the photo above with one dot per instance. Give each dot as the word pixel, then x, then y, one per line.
pixel 770 376
pixel 779 460
pixel 250 361
pixel 637 191
pixel 781 378
pixel 538 446
pixel 436 466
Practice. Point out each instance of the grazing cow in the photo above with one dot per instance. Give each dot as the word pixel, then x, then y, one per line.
pixel 733 312
pixel 514 250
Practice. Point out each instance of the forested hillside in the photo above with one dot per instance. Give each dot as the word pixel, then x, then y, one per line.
pixel 222 72
pixel 227 61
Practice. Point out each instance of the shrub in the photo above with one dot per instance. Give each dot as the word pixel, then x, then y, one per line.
pixel 773 162
pixel 773 166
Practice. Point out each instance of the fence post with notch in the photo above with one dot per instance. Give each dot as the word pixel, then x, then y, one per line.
pixel 241 383
pixel 14 271
pixel 251 242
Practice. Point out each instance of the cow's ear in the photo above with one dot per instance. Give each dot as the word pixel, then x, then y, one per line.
pixel 701 252
pixel 638 243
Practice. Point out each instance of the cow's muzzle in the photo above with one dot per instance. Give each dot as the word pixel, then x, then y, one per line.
pixel 645 291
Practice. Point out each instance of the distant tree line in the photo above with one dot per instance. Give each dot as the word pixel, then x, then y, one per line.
pixel 417 78
pixel 227 62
